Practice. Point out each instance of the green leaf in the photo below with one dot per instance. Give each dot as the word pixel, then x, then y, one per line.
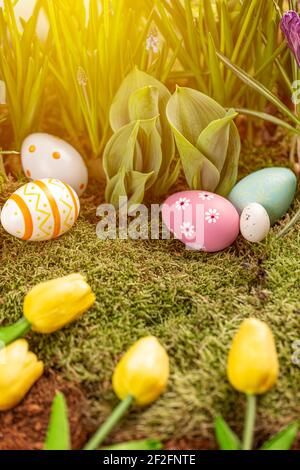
pixel 226 438
pixel 120 110
pixel 167 180
pixel 58 435
pixel 207 140
pixel 142 97
pixel 148 444
pixel 229 171
pixel 149 142
pixel 215 72
pixel 211 20
pixel 116 188
pixel 127 184
pixel 199 171
pixel 284 439
pixel 119 151
pixel 255 85
pixel 270 118
pixel 132 161
pixel 136 184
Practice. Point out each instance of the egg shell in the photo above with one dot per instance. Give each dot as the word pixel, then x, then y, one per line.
pixel 255 223
pixel 46 156
pixel 273 188
pixel 40 210
pixel 201 220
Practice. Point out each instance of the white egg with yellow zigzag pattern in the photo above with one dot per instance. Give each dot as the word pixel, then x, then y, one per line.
pixel 41 210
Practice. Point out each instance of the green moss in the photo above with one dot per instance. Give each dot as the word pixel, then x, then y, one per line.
pixel 193 302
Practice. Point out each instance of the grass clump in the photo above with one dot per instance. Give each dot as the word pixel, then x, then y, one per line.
pixel 23 68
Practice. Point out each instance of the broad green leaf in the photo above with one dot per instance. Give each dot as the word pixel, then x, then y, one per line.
pixel 119 151
pixel 58 435
pixel 142 97
pixel 132 160
pixel 199 171
pixel 214 139
pixel 226 438
pixel 229 172
pixel 136 184
pixel 284 439
pixel 190 112
pixel 119 112
pixel 270 118
pixel 207 140
pixel 148 444
pixel 167 180
pixel 149 141
pixel 262 89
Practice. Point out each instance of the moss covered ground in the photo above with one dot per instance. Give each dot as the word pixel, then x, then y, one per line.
pixel 193 302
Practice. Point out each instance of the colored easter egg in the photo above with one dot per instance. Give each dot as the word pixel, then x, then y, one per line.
pixel 46 156
pixel 201 220
pixel 255 223
pixel 41 210
pixel 273 188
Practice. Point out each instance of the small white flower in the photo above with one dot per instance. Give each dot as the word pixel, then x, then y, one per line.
pixel 206 197
pixel 152 42
pixel 182 203
pixel 212 216
pixel 187 229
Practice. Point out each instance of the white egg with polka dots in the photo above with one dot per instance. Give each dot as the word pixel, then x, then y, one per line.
pixel 47 156
pixel 255 223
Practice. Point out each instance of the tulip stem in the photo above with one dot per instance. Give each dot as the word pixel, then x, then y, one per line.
pixel 97 439
pixel 8 334
pixel 249 422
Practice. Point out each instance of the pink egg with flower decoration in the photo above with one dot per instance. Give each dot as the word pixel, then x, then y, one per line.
pixel 202 220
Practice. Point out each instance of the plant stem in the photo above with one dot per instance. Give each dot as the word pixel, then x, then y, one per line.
pixel 290 225
pixel 249 422
pixel 8 334
pixel 109 424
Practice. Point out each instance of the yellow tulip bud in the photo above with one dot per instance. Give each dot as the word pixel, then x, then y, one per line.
pixel 142 372
pixel 53 304
pixel 252 362
pixel 19 370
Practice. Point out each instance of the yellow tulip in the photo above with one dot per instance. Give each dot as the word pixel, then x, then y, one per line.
pixel 142 372
pixel 53 304
pixel 252 362
pixel 19 370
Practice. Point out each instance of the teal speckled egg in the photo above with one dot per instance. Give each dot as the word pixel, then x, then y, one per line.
pixel 273 188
